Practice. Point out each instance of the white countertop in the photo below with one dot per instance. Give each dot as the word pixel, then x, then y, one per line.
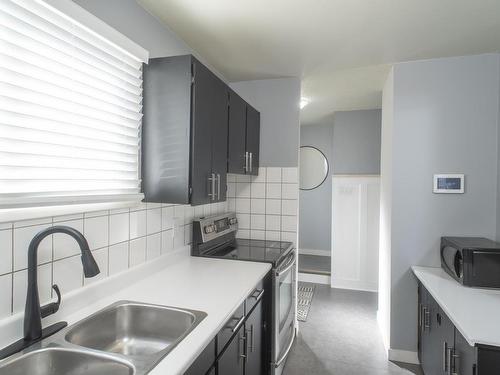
pixel 215 286
pixel 473 311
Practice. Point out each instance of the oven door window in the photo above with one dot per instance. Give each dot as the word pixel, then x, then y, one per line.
pixel 285 297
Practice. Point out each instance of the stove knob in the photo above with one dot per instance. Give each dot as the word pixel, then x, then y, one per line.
pixel 209 229
pixel 233 221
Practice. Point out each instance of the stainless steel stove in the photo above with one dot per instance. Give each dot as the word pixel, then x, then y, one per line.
pixel 215 237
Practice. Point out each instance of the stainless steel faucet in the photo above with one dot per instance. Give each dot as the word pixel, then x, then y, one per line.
pixel 34 312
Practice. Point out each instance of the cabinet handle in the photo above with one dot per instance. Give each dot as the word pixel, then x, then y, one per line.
pixel 455 361
pixel 250 332
pixel 420 316
pixel 251 162
pixel 245 167
pixel 212 179
pixel 218 186
pixel 238 324
pixel 427 318
pixel 243 341
pixel 445 357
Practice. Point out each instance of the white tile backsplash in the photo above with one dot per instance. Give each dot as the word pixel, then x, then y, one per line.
pixel 6 290
pixel 273 190
pixel 258 190
pixel 289 207
pixel 64 245
pixel 273 207
pixel 118 258
pixel 243 205
pixel 137 251
pixel 273 175
pixel 243 190
pixel 5 251
pixel 153 246
pixel 258 206
pixel 138 224
pixel 289 191
pixel 68 274
pixel 96 231
pixel 119 240
pixel 258 222
pixel 272 213
pixel 153 220
pixel 119 228
pixel 273 222
pixel 289 175
pixel 22 239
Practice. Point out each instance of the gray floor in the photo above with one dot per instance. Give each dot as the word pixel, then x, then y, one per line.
pixel 316 264
pixel 341 337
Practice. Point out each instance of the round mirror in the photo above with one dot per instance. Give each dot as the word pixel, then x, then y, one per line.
pixel 313 168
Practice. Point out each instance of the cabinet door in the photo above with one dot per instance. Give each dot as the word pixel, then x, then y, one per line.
pixel 202 101
pixel 437 337
pixel 204 362
pixel 236 134
pixel 219 138
pixel 254 328
pixel 465 356
pixel 253 139
pixel 232 361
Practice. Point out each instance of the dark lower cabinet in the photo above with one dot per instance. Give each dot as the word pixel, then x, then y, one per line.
pixel 254 337
pixel 239 348
pixel 204 364
pixel 232 361
pixel 443 350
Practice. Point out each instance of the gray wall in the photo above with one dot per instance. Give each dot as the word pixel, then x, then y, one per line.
pixel 315 212
pixel 278 103
pixel 445 121
pixel 356 142
pixel 129 18
pixel 351 142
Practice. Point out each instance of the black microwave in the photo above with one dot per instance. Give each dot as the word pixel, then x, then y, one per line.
pixel 472 261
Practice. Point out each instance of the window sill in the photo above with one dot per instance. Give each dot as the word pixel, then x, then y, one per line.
pixel 17 214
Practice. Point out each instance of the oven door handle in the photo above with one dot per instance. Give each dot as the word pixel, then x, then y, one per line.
pixel 285 354
pixel 287 268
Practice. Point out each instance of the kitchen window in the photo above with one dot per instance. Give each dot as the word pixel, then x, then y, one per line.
pixel 70 107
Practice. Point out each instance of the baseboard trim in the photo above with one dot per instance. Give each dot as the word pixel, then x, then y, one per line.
pixel 324 253
pixel 403 356
pixel 312 278
pixel 354 285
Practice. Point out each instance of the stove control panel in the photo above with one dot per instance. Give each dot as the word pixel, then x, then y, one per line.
pixel 211 227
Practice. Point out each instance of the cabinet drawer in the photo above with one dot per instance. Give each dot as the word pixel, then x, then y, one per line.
pixel 231 327
pixel 254 297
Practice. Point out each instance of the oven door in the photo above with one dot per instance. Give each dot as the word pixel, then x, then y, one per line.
pixel 285 287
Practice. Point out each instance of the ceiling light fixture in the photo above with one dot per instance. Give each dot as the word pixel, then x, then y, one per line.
pixel 303 102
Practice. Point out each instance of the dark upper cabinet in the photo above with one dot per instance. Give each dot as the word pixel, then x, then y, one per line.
pixel 253 140
pixel 243 136
pixel 184 132
pixel 237 124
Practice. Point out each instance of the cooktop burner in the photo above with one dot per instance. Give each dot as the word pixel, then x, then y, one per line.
pixel 215 236
pixel 253 250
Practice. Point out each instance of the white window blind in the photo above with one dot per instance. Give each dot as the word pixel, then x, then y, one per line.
pixel 70 107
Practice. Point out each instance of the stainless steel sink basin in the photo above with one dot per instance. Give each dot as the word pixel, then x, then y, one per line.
pixel 135 329
pixel 57 361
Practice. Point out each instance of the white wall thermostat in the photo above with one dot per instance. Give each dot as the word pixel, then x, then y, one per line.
pixel 449 183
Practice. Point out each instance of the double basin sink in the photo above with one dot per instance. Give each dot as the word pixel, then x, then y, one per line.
pixel 126 338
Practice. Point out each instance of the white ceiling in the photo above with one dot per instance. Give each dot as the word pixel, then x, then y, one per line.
pixel 342 49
